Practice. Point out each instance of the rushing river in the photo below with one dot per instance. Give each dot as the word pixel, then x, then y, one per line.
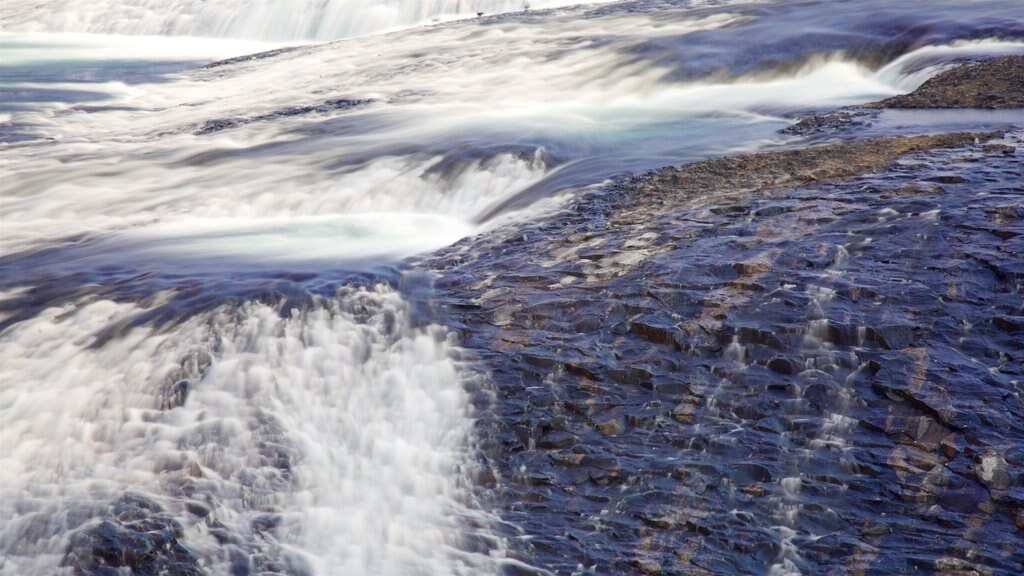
pixel 210 328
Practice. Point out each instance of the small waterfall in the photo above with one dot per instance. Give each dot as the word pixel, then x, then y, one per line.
pixel 823 367
pixel 272 20
pixel 329 439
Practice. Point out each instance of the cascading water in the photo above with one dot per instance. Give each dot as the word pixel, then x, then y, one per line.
pixel 333 433
pixel 270 20
pixel 210 341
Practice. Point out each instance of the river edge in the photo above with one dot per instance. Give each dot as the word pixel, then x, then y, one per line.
pixel 784 362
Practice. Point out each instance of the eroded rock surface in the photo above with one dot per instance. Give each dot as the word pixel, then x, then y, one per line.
pixel 805 359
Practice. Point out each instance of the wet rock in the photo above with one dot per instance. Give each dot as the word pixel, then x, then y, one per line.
pixel 633 376
pixel 610 426
pixel 567 459
pixel 140 537
pixel 1008 323
pixel 176 394
pixel 749 335
pixel 251 57
pixel 916 189
pixel 644 417
pixel 996 83
pixel 879 412
pixel 751 267
pixel 754 490
pixel 783 365
pixel 556 440
pixel 993 471
pixel 951 445
pixel 787 168
pixel 648 566
pixel 582 369
pixel 685 410
pixel 504 315
pixel 266 523
pixel 748 472
pixel 946 178
pixel 655 329
pixel 830 122
pixel 872 529
pixel 891 336
pixel 600 463
pixel 998 149
pixel 197 509
pixel 336 104
pixel 955 493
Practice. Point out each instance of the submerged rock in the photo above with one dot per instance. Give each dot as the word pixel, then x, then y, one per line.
pixel 138 537
pixel 325 107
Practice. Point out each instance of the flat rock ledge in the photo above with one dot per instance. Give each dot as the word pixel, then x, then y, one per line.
pixel 749 173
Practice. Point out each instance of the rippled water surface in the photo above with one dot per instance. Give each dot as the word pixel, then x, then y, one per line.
pixel 227 347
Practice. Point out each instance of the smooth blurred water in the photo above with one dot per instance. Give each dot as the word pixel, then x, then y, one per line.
pixel 260 20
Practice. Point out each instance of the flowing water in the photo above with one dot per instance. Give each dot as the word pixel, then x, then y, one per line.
pixel 205 308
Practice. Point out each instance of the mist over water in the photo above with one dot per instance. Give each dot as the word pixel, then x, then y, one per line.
pixel 202 292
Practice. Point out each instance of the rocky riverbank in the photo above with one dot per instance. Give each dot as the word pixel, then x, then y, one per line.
pixel 996 83
pixel 797 361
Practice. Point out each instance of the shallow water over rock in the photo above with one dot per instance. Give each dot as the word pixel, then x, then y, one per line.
pixel 793 380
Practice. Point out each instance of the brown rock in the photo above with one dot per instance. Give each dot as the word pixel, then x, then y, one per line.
pixel 752 172
pixel 997 83
pixel 610 427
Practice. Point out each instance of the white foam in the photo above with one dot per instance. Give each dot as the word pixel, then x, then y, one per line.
pixel 911 70
pixel 371 412
pixel 78 423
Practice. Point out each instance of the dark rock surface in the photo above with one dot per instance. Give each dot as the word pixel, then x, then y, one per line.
pixel 804 359
pixel 996 83
pixel 334 105
pixel 829 122
pixel 138 538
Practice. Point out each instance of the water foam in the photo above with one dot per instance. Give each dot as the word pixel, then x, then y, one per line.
pixel 340 418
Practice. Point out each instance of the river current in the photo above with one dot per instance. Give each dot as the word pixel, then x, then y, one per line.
pixel 210 325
